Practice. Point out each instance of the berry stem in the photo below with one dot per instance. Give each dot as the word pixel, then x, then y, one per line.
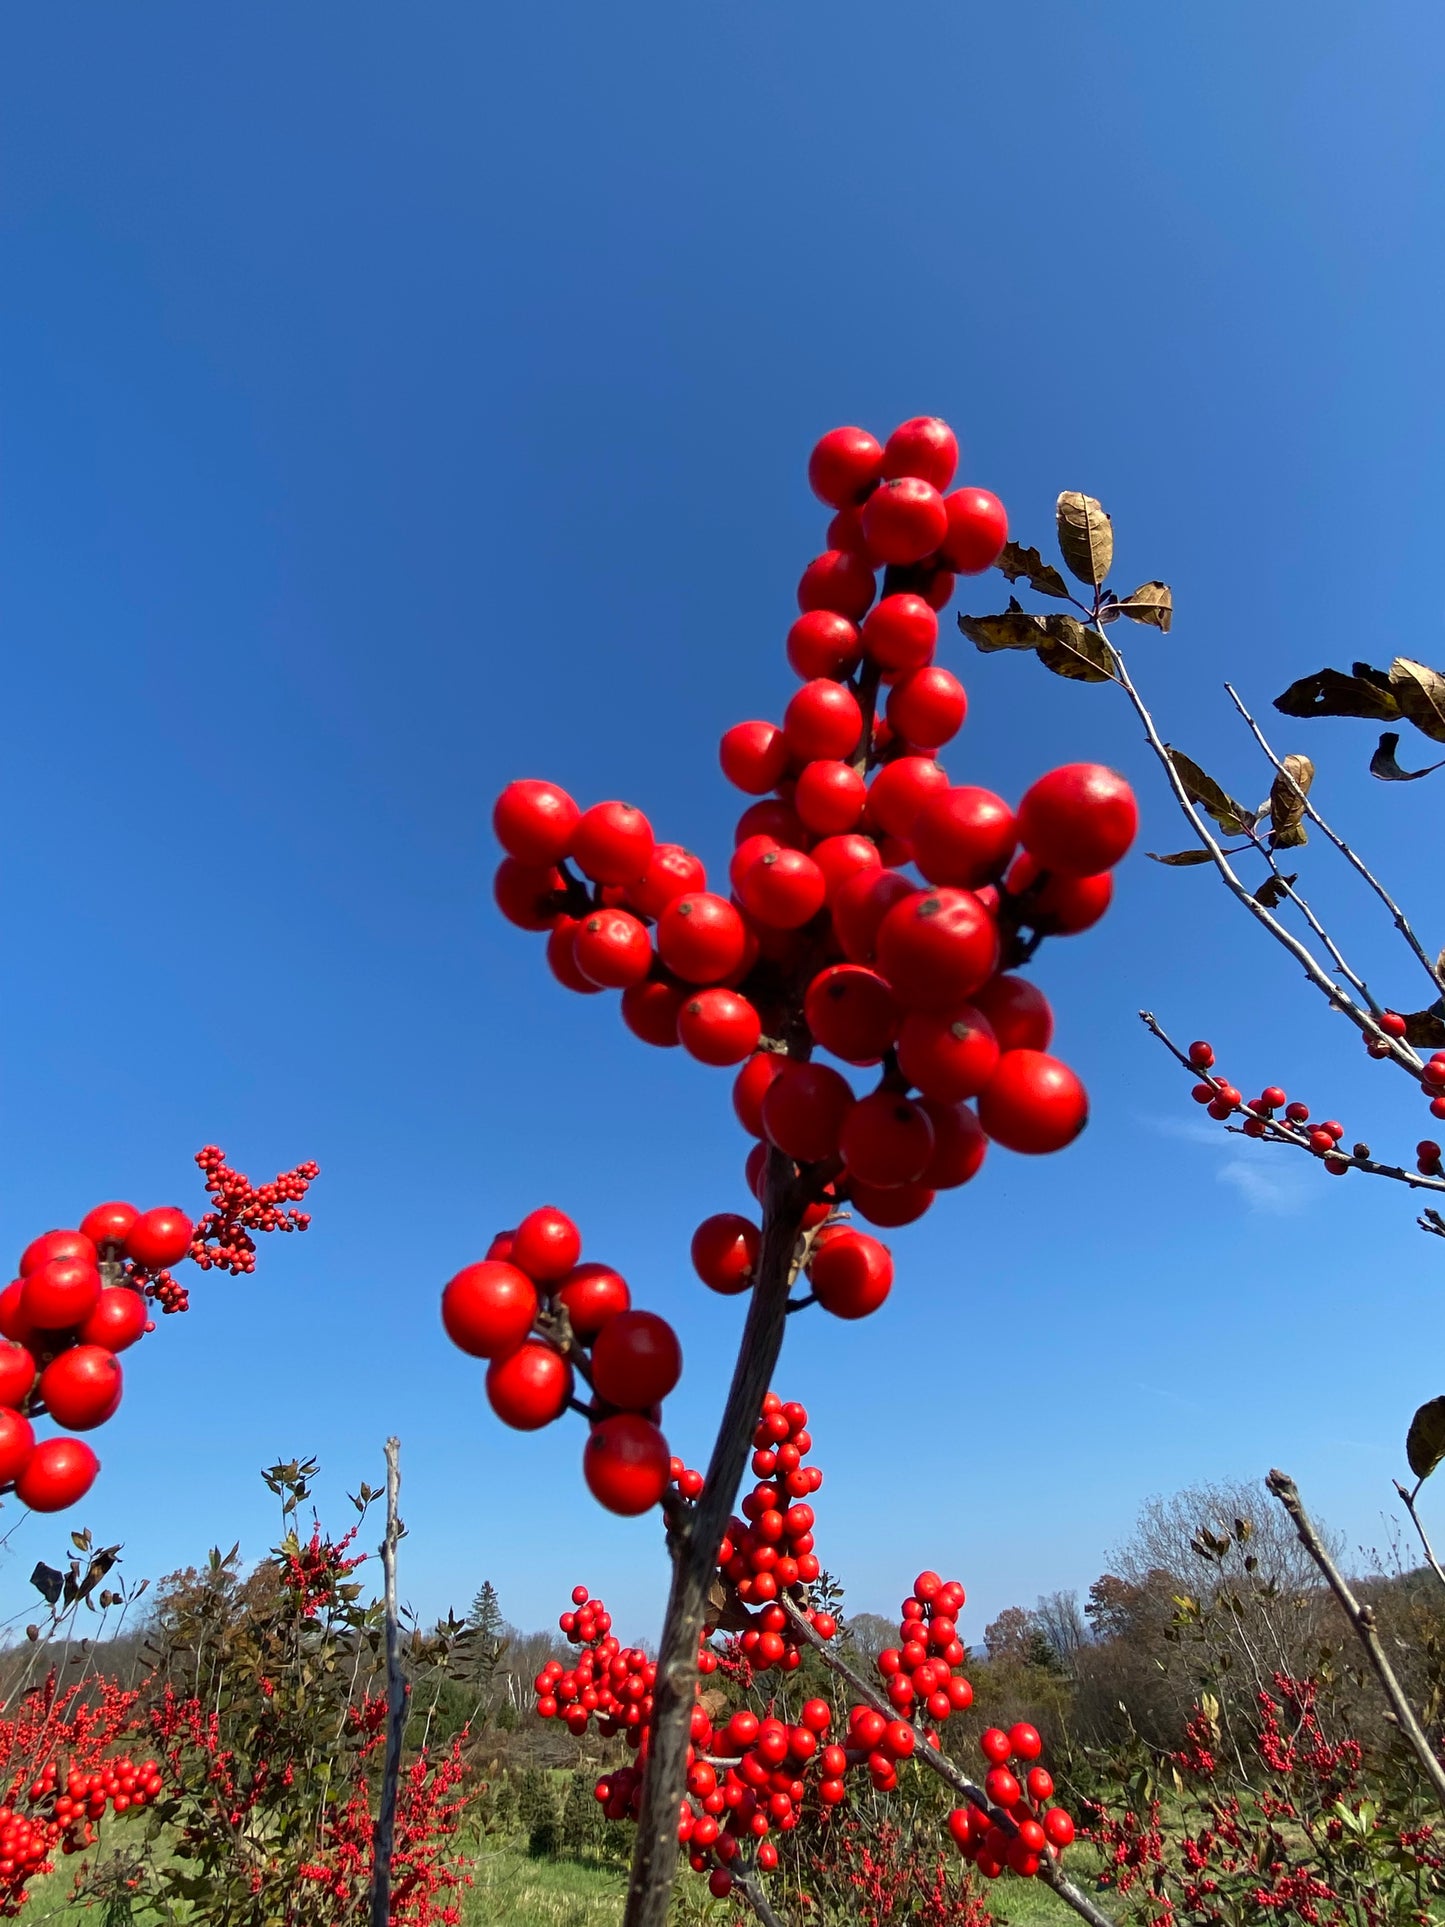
pixel 695 1550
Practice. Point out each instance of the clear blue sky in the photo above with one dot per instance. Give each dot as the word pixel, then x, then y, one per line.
pixel 395 402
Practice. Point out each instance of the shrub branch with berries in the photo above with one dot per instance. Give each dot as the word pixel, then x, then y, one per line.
pixel 875 911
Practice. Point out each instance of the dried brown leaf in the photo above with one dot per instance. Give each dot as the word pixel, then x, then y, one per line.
pixel 1151 602
pixel 1420 692
pixel 1425 1029
pixel 1076 652
pixel 1014 629
pixel 1233 818
pixel 1181 859
pixel 1086 537
pixel 1273 891
pixel 1384 765
pixel 1287 804
pixel 1018 561
pixel 1330 692
pixel 1425 1440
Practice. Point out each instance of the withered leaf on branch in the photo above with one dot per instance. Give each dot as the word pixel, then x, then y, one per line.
pixel 1425 1029
pixel 1181 859
pixel 1384 765
pixel 1287 804
pixel 1233 818
pixel 1273 891
pixel 1018 561
pixel 1425 1440
pixel 47 1582
pixel 1420 692
pixel 1071 650
pixel 1330 692
pixel 1014 629
pixel 1151 602
pixel 1086 537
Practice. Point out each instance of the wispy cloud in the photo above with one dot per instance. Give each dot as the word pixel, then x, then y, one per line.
pixel 1267 1180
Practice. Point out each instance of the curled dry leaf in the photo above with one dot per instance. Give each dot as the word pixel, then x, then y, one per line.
pixel 1151 602
pixel 1425 1440
pixel 1086 537
pixel 1233 818
pixel 1384 765
pixel 1287 796
pixel 1330 692
pixel 1181 859
pixel 1014 629
pixel 1273 891
pixel 1420 692
pixel 1076 652
pixel 1425 1029
pixel 1018 561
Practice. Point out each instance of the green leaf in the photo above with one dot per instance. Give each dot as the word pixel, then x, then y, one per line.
pixel 1287 804
pixel 1384 765
pixel 1151 602
pixel 1233 818
pixel 1017 561
pixel 1181 859
pixel 1330 692
pixel 1086 537
pixel 1076 652
pixel 1425 1440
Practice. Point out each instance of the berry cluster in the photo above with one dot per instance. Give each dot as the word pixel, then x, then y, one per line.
pixel 769 1550
pixel 83 1296
pixel 538 1314
pixel 922 1666
pixel 1273 1115
pixel 610 1682
pixel 1036 1826
pixel 825 941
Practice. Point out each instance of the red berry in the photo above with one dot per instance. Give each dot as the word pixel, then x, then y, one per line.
pixel 1201 1056
pixel 612 843
pixel 59 1474
pixel 803 1110
pixel 859 906
pixel 546 1244
pixel 841 857
pixel 590 1294
pixel 1392 1023
pixel 977 529
pixel 963 837
pixel 948 1057
pixel 700 937
pixel 994 1745
pixel 60 1294
pixel 754 757
pixel 937 948
pixel 82 1387
pixel 889 1206
pixel 1033 1103
pixel 1040 1784
pixel 1018 1011
pixel 844 465
pixel 1058 1827
pixel 108 1224
pixel 823 643
pixel 839 582
pixel 830 797
pixel 725 1252
pixel 851 1274
pixel 750 1086
pixel 1079 819
pixel 17 1444
pixel 904 520
pixel 488 1308
pixel 650 1009
pixel 534 822
pixel 17 1373
pixel 1024 1740
pixel 1057 905
pixel 528 897
pixel 822 720
pixel 927 707
pixel 530 1387
pixel 901 789
pixel 900 632
pixel 852 1012
pixel 783 889
pixel 57 1244
pixel 625 1464
pixel 924 447
pixel 886 1139
pixel 611 949
pixel 159 1238
pixel 636 1360
pixel 13 1322
pixel 562 957
pixel 719 1027
pixel 671 872
pixel 959 1145
pixel 774 818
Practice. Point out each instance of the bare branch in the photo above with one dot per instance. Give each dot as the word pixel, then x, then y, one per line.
pixel 1362 1618
pixel 746 1883
pixel 384 1831
pixel 1409 1498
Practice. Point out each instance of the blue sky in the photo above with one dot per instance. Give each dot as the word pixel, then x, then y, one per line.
pixel 395 403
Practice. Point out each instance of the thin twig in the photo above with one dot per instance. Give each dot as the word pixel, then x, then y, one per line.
pixel 933 1757
pixel 1362 1618
pixel 746 1882
pixel 1409 1497
pixel 384 1833
pixel 1402 923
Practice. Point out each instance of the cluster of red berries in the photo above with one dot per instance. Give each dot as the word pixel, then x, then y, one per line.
pixel 824 940
pixel 769 1550
pixel 921 1668
pixel 610 1682
pixel 1036 1826
pixel 537 1313
pixel 59 1813
pixel 224 1239
pixel 1222 1100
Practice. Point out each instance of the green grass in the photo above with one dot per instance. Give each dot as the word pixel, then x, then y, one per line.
pixel 509 1887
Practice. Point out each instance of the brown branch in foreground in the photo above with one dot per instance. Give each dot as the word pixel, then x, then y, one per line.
pixel 1362 1618
pixel 694 1555
pixel 952 1775
pixel 383 1834
pixel 746 1883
